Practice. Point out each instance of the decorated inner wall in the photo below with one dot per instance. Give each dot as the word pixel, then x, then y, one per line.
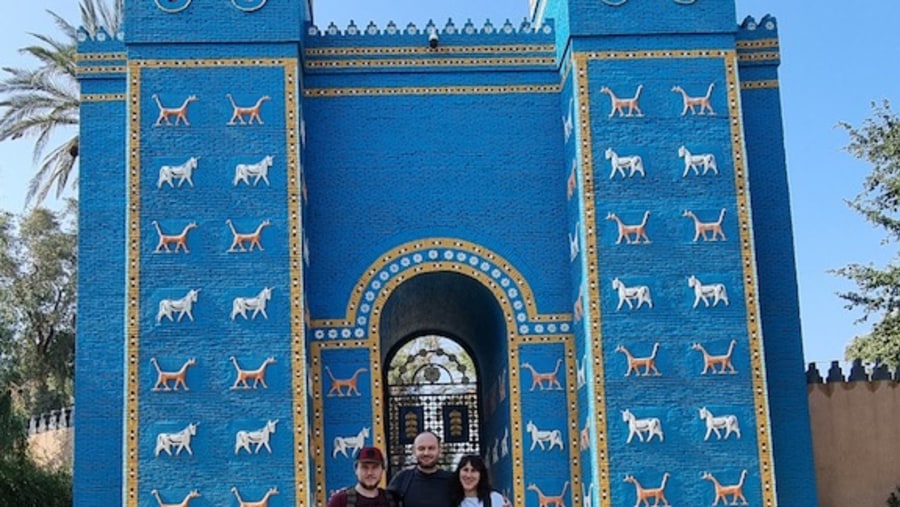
pixel 568 200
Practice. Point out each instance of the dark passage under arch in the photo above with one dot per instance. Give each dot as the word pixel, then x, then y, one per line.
pixel 443 341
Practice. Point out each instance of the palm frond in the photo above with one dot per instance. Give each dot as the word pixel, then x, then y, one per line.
pixel 40 101
pixel 58 167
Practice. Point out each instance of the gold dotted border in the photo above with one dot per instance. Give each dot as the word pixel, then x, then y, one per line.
pixel 757 85
pixel 298 301
pixel 100 69
pixel 541 61
pixel 213 62
pixel 730 60
pixel 298 343
pixel 99 57
pixel 758 57
pixel 741 183
pixel 415 50
pixel 594 335
pixel 428 90
pixel 423 246
pixel 568 341
pixel 132 326
pixel 757 44
pixel 103 97
pixel 652 54
pixel 318 408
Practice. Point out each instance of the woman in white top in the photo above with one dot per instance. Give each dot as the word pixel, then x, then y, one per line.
pixel 471 486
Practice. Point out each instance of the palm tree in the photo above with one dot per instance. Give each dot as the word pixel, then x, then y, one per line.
pixel 40 101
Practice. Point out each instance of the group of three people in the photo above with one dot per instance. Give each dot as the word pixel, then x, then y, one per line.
pixel 424 485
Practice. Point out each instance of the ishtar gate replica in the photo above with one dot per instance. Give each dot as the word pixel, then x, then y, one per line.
pixel 563 243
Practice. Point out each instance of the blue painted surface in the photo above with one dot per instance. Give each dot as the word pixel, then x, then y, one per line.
pixel 402 144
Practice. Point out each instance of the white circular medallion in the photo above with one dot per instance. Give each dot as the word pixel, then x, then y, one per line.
pixel 248 5
pixel 172 6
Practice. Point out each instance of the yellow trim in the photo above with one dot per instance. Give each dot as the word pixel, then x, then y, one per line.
pixel 430 62
pixel 298 301
pixel 741 180
pixel 103 97
pixel 298 342
pixel 99 57
pixel 429 90
pixel 442 50
pixel 757 44
pixel 654 54
pixel 592 311
pixel 318 409
pixel 758 57
pixel 594 335
pixel 100 69
pixel 568 342
pixel 216 62
pixel 132 323
pixel 756 85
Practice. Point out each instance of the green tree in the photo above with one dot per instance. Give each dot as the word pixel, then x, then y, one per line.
pixel 22 482
pixel 877 141
pixel 38 276
pixel 41 101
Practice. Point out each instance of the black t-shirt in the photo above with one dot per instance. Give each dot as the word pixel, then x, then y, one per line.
pixel 418 489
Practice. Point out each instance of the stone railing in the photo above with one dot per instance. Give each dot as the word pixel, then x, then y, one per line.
pixel 50 421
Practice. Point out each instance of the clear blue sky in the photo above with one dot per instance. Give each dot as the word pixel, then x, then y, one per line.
pixel 837 57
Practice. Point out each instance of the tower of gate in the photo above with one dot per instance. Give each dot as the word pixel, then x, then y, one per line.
pixel 590 169
pixel 685 300
pixel 191 159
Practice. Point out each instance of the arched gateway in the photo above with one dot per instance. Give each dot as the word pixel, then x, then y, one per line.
pixel 535 238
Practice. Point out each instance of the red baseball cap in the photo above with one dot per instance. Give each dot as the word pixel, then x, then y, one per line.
pixel 370 455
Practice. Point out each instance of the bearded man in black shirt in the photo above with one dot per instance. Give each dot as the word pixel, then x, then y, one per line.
pixel 426 484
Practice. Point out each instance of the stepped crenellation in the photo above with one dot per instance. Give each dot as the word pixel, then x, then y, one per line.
pixel 450 28
pixel 766 23
pixel 99 41
pixel 858 372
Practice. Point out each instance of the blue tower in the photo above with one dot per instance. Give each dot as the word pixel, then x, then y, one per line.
pixel 564 244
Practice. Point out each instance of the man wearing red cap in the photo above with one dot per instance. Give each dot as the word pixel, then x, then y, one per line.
pixel 369 467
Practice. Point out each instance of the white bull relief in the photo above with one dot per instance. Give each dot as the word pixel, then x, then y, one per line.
pixel 183 306
pixel 180 441
pixel 258 171
pixel 256 304
pixel 650 427
pixel 635 296
pixel 353 444
pixel 539 437
pixel 183 172
pixel 260 438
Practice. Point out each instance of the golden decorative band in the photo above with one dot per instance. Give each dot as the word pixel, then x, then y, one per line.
pixel 444 50
pixel 430 62
pixel 428 90
pixel 102 97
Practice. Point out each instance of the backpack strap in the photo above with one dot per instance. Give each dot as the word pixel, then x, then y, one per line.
pixel 392 499
pixel 487 501
pixel 406 478
pixel 351 497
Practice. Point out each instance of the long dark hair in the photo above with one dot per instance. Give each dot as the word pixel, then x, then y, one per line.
pixel 483 489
